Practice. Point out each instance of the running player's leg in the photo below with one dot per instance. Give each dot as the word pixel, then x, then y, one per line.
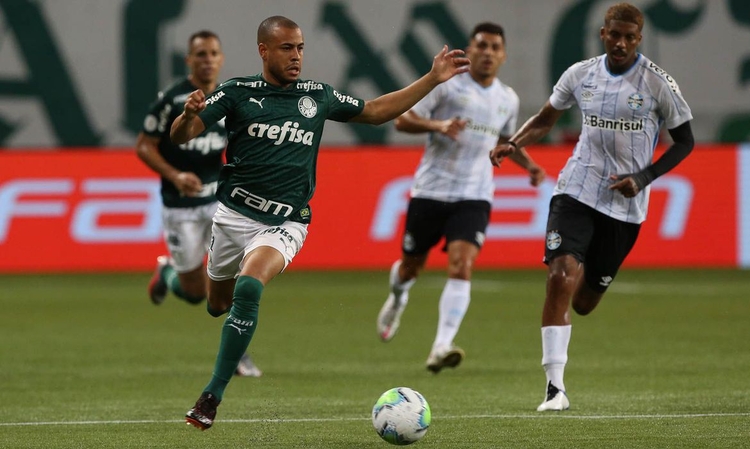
pixel 610 245
pixel 569 232
pixel 219 302
pixel 465 228
pixel 187 232
pixel 422 231
pixel 220 294
pixel 268 249
pixel 257 253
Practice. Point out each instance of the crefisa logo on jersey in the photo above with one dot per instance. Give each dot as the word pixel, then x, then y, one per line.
pixel 215 97
pixel 307 106
pixel 635 101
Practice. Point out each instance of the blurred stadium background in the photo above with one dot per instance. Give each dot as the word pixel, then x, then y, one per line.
pixel 77 205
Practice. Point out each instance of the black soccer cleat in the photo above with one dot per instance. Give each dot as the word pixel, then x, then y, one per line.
pixel 203 413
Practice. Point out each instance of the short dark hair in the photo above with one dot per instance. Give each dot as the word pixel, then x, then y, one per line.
pixel 265 29
pixel 624 12
pixel 488 27
pixel 202 34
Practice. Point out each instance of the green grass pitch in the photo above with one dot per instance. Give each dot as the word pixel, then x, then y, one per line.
pixel 86 361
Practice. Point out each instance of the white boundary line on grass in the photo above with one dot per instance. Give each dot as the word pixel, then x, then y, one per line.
pixel 304 420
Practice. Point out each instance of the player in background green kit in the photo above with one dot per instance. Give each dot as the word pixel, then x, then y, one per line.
pixel 189 175
pixel 276 123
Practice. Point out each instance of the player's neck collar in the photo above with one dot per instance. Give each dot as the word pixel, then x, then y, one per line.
pixel 635 63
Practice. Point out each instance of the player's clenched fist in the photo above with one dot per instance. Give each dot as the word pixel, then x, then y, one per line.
pixel 195 103
pixel 499 153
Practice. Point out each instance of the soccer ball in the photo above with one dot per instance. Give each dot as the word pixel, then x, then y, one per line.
pixel 401 416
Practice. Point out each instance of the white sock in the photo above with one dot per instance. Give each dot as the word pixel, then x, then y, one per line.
pixel 400 289
pixel 555 341
pixel 454 302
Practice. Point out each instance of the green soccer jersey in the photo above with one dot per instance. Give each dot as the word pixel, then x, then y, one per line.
pixel 273 145
pixel 202 155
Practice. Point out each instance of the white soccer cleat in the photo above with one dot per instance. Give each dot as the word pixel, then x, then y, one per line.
pixel 246 367
pixel 447 357
pixel 555 401
pixel 389 317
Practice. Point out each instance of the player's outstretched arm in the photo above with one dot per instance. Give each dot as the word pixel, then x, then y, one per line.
pixel 188 125
pixel 534 129
pixel 523 160
pixel 413 123
pixel 445 65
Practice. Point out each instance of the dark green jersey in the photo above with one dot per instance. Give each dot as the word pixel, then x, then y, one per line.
pixel 273 145
pixel 202 155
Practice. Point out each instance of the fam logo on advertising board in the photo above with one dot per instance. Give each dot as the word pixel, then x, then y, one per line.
pixel 101 211
pixel 513 194
pixel 56 197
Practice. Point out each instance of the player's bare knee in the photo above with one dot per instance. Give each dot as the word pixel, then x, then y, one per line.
pixel 560 280
pixel 460 269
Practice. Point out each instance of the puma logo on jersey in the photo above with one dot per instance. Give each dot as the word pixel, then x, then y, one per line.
pixel 260 103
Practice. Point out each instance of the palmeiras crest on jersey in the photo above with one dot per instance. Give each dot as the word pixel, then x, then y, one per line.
pixel 307 106
pixel 554 240
pixel 635 101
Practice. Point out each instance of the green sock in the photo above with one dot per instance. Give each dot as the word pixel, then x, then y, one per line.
pixel 237 332
pixel 172 279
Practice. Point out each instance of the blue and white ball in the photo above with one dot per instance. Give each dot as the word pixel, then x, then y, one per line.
pixel 401 416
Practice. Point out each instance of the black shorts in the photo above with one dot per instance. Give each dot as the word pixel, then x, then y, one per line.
pixel 599 242
pixel 427 221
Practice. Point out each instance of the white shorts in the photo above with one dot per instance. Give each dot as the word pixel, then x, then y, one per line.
pixel 235 235
pixel 187 232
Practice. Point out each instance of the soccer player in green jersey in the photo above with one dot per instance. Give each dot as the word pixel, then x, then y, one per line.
pixel 275 121
pixel 189 175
